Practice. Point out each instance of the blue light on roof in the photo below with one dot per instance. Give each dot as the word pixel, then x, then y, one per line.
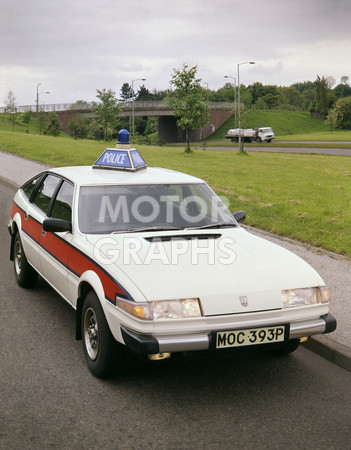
pixel 123 137
pixel 122 157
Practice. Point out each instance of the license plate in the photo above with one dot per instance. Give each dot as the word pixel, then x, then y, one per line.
pixel 251 336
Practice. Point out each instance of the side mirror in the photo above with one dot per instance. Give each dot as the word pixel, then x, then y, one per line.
pixel 239 216
pixel 57 225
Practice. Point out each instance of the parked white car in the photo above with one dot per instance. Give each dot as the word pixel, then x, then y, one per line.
pixel 153 261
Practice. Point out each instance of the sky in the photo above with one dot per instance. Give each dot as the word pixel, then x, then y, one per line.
pixel 74 47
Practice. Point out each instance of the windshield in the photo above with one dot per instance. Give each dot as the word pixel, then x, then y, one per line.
pixel 108 209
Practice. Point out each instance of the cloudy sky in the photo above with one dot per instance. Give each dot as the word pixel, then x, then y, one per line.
pixel 73 47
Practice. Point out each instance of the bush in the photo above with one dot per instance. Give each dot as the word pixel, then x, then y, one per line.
pixel 53 128
pixel 78 128
pixel 340 115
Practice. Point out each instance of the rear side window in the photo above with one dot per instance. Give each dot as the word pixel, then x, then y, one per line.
pixel 46 191
pixel 29 187
pixel 62 207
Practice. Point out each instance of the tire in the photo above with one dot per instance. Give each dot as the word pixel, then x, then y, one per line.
pixel 25 275
pixel 289 347
pixel 98 343
pixel 259 140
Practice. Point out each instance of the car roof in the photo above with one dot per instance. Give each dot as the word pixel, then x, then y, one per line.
pixel 89 176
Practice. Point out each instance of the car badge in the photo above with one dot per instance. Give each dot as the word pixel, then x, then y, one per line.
pixel 243 300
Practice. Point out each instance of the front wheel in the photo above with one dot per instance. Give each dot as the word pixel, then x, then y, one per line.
pixel 98 342
pixel 25 275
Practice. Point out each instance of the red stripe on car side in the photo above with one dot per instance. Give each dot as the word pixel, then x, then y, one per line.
pixel 72 258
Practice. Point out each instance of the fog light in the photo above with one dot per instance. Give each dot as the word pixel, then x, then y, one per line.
pixel 159 356
pixel 304 339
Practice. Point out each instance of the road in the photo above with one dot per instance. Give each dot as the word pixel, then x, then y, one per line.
pixel 50 400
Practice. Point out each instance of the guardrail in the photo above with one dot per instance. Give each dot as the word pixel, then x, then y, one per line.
pixel 128 105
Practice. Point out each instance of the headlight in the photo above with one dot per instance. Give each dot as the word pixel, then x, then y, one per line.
pixel 176 309
pixel 164 309
pixel 306 296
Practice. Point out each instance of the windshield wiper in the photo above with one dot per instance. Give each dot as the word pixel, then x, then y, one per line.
pixel 140 230
pixel 213 225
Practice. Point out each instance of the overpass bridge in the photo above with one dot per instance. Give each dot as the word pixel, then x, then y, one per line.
pixel 167 127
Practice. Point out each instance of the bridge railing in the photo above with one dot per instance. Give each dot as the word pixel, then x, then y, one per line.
pixel 159 104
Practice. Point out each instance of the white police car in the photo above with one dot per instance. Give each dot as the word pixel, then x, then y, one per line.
pixel 151 259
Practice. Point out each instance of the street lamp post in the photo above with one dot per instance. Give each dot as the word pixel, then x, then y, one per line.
pixel 240 64
pixel 37 100
pixel 234 85
pixel 138 79
pixel 37 108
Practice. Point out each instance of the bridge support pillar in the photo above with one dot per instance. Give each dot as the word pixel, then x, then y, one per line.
pixel 168 131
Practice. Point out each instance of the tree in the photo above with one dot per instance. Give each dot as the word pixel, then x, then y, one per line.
pixel 53 128
pixel 321 105
pixel 144 94
pixel 80 104
pixel 10 108
pixel 342 90
pixel 10 102
pixel 126 92
pixel 330 81
pixel 340 115
pixel 271 100
pixel 344 79
pixel 223 94
pixel 290 96
pixel 245 95
pixel 187 100
pixel 107 111
pixel 159 95
pixel 304 86
pixel 26 118
pixel 257 91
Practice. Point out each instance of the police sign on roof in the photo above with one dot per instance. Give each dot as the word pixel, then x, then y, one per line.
pixel 122 158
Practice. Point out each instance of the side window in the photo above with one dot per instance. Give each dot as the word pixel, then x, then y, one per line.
pixel 29 187
pixel 62 208
pixel 46 191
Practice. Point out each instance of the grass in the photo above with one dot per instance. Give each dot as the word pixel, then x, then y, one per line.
pixel 33 127
pixel 305 197
pixel 287 125
pixel 280 144
pixel 335 135
pixel 61 151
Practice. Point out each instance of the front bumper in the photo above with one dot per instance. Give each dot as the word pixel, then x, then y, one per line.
pixel 148 344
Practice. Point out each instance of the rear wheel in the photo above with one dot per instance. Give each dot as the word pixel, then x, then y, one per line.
pixel 98 343
pixel 26 276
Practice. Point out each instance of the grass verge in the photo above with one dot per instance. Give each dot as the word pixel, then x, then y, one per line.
pixel 286 144
pixel 284 123
pixel 305 197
